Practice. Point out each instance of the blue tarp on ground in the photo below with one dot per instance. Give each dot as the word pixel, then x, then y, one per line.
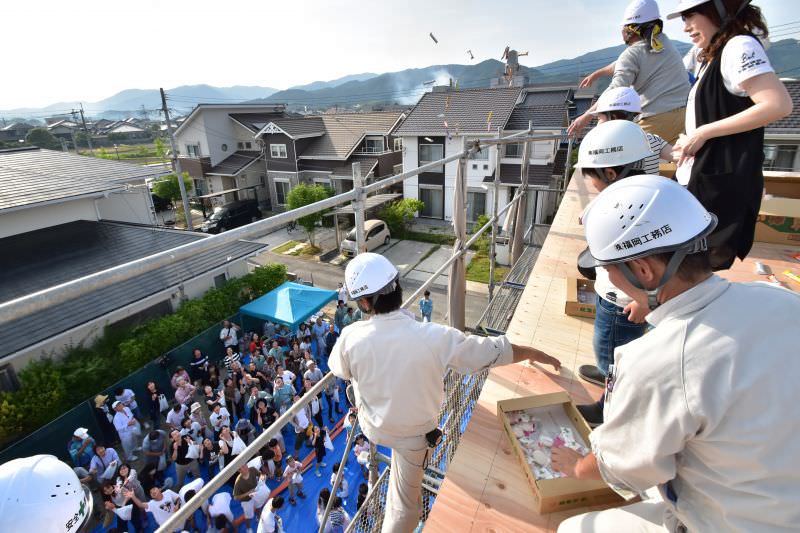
pixel 289 304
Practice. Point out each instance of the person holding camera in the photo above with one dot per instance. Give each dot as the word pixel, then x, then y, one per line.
pixel 391 354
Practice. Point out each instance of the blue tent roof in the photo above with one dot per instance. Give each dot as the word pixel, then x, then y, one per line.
pixel 289 304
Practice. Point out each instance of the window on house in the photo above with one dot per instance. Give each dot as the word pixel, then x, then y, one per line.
pixel 432 201
pixel 514 150
pixel 281 192
pixel 278 151
pixel 429 153
pixel 483 154
pixel 240 145
pixel 248 145
pixel 476 205
pixel 220 279
pixel 193 150
pixel 781 157
pixel 398 144
pixel 373 145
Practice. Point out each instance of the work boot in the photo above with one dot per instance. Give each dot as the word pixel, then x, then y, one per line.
pixel 592 413
pixel 592 374
pixel 301 494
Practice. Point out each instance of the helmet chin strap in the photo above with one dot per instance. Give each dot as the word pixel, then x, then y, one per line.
pixel 699 245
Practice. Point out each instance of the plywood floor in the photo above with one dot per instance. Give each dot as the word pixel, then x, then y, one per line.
pixel 485 489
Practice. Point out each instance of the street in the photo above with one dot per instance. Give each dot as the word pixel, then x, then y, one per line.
pixel 405 255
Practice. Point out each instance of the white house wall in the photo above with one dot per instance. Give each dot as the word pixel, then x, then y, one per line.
pixel 46 216
pixel 410 161
pixel 132 206
pixel 212 128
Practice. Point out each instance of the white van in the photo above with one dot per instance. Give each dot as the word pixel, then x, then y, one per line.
pixel 376 233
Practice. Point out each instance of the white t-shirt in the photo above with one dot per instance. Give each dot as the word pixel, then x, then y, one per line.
pixel 127 397
pixel 269 522
pixel 163 509
pixel 195 485
pixel 122 420
pixel 233 341
pixel 743 58
pixel 221 419
pixel 220 505
pixel 175 419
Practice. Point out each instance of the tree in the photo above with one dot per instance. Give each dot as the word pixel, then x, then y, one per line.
pixel 303 195
pixel 398 215
pixel 82 138
pixel 42 138
pixel 161 149
pixel 116 137
pixel 168 188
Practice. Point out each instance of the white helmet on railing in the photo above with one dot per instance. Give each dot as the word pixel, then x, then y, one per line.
pixel 616 143
pixel 42 494
pixel 619 99
pixel 641 216
pixel 640 11
pixel 370 275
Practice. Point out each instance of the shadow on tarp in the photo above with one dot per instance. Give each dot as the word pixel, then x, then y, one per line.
pixel 54 437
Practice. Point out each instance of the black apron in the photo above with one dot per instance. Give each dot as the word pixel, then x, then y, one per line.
pixel 727 175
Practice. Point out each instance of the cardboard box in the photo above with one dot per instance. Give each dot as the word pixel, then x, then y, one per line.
pixel 580 298
pixel 551 495
pixel 779 221
pixel 782 184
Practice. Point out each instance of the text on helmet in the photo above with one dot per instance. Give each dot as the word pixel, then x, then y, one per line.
pixel 609 150
pixel 642 239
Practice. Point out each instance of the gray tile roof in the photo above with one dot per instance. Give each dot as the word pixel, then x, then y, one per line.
pixel 255 121
pixel 344 131
pixel 465 110
pixel 543 117
pixel 301 127
pixel 234 163
pixel 549 97
pixel 43 258
pixel 790 123
pixel 510 174
pixel 29 177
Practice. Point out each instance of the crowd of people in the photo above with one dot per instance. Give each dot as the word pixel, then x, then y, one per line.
pixel 210 414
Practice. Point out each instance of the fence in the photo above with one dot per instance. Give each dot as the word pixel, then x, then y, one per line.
pixel 55 436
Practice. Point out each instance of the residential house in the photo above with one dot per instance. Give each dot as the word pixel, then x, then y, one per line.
pixel 64 216
pixel 15 132
pixel 128 129
pixel 261 151
pixel 782 137
pixel 444 121
pixel 63 129
pixel 322 149
pixel 216 146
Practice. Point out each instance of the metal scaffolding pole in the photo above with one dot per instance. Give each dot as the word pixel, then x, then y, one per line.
pixel 495 203
pixel 358 207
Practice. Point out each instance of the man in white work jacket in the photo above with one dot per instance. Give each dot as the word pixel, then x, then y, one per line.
pixel 704 406
pixel 397 366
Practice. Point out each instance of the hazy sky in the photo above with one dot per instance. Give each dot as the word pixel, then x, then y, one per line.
pixel 89 49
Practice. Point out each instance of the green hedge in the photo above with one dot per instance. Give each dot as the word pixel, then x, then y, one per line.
pixel 50 387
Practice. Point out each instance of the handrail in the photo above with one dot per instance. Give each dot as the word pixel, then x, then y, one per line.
pixel 351 437
pixel 208 490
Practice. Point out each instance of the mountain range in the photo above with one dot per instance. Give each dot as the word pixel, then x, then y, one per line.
pixel 357 90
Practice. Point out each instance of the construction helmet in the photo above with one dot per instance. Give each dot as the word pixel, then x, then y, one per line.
pixel 619 99
pixel 44 495
pixel 724 15
pixel 370 275
pixel 616 143
pixel 640 11
pixel 641 216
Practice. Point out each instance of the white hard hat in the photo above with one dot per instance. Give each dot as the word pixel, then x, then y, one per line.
pixel 619 99
pixel 640 11
pixel 44 495
pixel 613 143
pixel 369 274
pixel 641 216
pixel 684 5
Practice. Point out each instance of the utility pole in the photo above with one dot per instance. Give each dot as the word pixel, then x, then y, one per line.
pixel 86 131
pixel 176 162
pixel 359 204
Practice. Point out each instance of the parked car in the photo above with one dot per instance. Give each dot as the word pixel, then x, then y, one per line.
pixel 376 233
pixel 161 204
pixel 231 216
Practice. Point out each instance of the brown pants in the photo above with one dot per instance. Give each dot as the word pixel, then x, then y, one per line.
pixel 666 125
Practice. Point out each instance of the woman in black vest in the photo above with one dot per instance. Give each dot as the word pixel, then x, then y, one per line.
pixel 736 95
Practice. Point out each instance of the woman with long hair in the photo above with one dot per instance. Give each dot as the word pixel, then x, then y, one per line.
pixel 736 95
